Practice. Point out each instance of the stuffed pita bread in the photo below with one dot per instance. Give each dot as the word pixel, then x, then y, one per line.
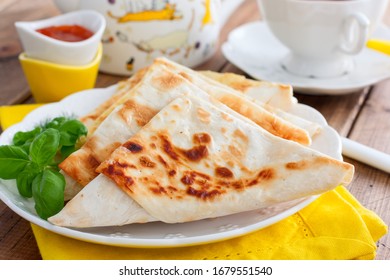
pixel 196 160
pixel 272 98
pixel 158 87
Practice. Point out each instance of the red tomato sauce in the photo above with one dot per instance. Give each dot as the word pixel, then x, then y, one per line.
pixel 68 33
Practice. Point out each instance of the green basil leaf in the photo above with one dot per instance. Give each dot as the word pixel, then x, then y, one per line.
pixel 21 137
pixel 48 193
pixel 71 130
pixel 13 160
pixel 25 179
pixel 26 145
pixel 45 146
pixel 55 123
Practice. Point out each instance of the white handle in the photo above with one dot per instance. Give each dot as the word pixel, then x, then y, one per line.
pixel 354 33
pixel 366 154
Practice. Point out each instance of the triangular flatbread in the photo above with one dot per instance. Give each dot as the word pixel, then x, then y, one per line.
pixel 195 160
pixel 158 87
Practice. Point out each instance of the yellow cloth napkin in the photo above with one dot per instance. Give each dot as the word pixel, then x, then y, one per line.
pixel 335 226
pixel 10 115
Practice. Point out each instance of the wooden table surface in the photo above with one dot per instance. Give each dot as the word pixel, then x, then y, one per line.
pixel 363 116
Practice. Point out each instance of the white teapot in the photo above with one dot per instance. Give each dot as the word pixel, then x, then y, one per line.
pixel 137 31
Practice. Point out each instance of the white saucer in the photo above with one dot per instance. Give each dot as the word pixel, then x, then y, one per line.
pixel 253 48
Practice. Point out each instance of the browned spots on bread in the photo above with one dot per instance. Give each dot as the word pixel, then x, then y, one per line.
pixel 176 107
pixel 92 162
pixel 158 190
pixel 168 148
pixel 187 180
pixel 146 162
pixel 299 165
pixel 133 147
pixel 241 86
pixel 196 153
pixel 202 175
pixel 238 185
pixel 235 151
pixel 162 161
pixel 203 115
pixel 186 76
pixel 153 146
pixel 142 114
pixel 172 189
pixel 201 138
pixel 167 80
pixel 240 135
pixel 264 175
pixel 316 162
pixel 284 87
pixel 203 194
pixel 223 172
pixel 116 171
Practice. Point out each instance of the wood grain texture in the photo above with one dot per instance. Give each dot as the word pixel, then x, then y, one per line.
pixel 363 116
pixel 372 128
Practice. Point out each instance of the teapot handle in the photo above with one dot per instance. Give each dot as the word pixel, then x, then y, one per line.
pixel 228 7
pixel 66 6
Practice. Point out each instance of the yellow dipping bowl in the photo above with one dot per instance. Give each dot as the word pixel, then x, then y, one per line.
pixel 50 82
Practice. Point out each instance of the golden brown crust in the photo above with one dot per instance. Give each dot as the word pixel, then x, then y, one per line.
pixel 268 121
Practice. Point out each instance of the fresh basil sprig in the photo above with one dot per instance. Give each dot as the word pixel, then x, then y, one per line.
pixel 33 157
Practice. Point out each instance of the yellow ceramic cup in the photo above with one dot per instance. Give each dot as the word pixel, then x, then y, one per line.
pixel 50 82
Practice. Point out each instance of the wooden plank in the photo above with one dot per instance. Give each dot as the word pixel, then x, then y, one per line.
pixel 339 111
pixel 16 237
pixel 370 186
pixel 14 88
pixel 4 4
pixel 105 80
pixel 20 10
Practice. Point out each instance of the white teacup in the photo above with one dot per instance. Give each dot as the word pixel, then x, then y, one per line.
pixel 323 36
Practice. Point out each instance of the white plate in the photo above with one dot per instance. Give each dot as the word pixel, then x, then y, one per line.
pixel 157 234
pixel 254 49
